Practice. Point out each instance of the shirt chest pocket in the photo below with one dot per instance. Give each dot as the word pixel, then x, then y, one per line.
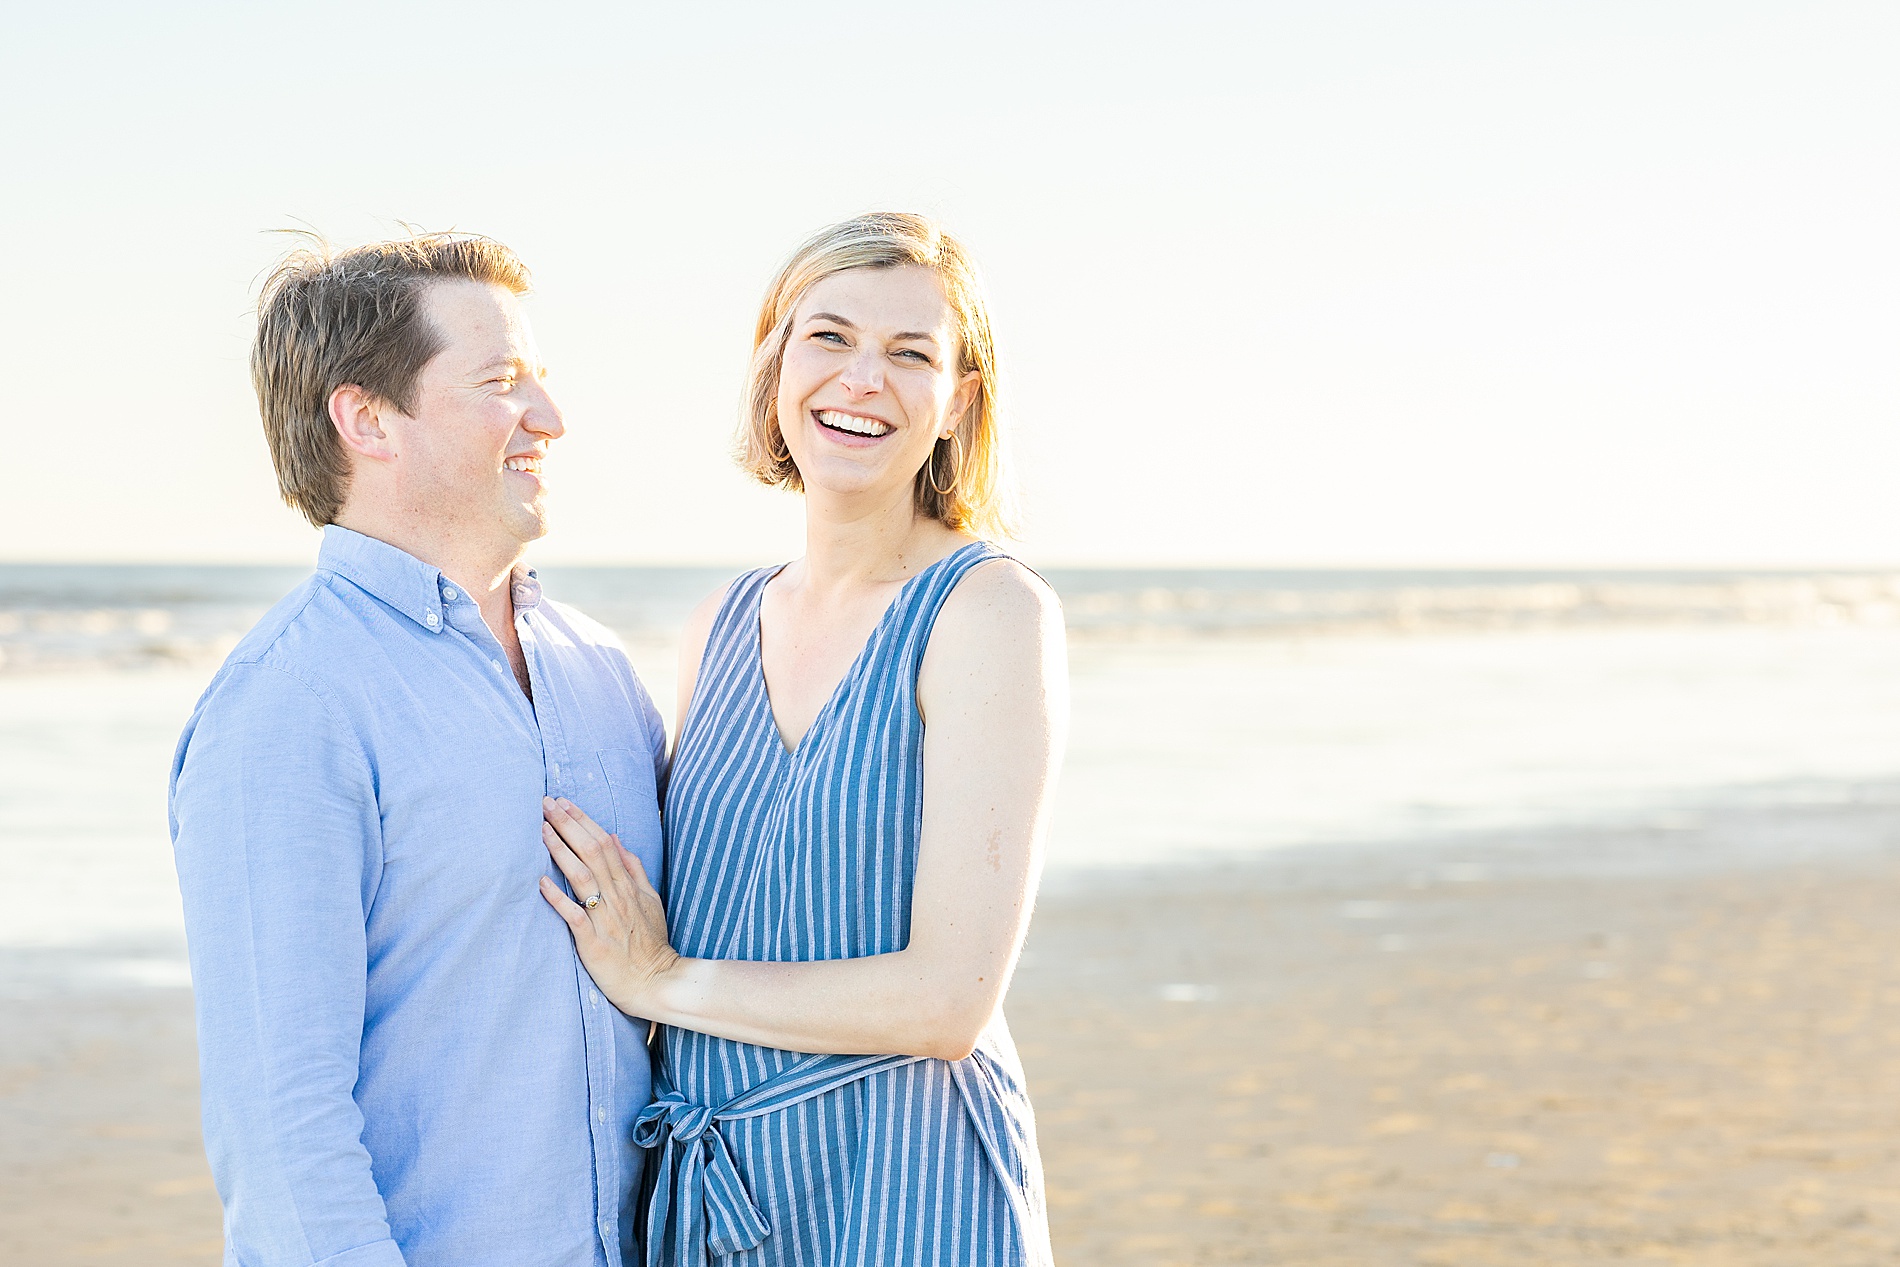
pixel 635 799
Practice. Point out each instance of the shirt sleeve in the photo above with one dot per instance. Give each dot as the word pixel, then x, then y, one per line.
pixel 655 727
pixel 277 837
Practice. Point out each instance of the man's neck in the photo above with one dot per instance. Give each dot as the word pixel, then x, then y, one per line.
pixel 483 570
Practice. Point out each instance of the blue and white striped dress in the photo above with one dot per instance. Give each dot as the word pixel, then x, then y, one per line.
pixel 777 1157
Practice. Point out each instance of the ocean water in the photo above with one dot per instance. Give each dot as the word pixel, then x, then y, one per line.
pixel 89 617
pixel 1215 714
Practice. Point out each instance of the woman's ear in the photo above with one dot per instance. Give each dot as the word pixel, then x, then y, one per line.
pixel 960 403
pixel 357 417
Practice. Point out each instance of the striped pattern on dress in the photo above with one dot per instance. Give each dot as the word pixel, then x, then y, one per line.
pixel 764 1156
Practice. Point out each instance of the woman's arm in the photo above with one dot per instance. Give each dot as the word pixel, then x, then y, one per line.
pixel 692 650
pixel 993 690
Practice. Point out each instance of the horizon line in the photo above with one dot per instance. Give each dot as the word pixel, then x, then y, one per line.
pixel 1073 564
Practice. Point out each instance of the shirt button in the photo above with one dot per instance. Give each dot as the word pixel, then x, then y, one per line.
pixel 600 1115
pixel 595 996
pixel 555 769
pixel 432 620
pixel 495 665
pixel 448 594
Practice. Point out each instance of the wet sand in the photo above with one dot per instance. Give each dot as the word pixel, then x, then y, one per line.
pixel 100 1156
pixel 1487 1058
pixel 1683 1052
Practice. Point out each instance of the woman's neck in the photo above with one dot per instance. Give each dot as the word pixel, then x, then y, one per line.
pixel 851 546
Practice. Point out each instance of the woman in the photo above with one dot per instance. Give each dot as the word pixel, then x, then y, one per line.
pixel 856 808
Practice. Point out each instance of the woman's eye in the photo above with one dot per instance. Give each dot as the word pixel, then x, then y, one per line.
pixel 914 353
pixel 831 335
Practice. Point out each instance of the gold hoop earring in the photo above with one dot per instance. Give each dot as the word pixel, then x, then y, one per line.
pixel 776 448
pixel 956 475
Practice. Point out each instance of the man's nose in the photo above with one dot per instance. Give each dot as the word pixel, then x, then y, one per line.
pixel 544 416
pixel 864 374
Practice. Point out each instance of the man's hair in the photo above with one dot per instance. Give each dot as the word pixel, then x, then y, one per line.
pixel 972 466
pixel 329 318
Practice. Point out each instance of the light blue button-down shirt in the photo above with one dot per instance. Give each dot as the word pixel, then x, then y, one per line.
pixel 403 1061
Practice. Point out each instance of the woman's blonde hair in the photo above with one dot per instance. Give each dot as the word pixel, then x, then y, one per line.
pixel 971 465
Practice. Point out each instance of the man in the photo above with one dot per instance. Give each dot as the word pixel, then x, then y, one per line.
pixel 403 1062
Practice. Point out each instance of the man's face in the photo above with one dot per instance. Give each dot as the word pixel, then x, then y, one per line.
pixel 470 456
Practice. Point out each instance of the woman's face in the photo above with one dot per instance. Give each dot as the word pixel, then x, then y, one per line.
pixel 869 380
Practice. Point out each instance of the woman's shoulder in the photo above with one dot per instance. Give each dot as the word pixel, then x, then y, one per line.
pixel 700 621
pixel 997 648
pixel 999 597
pixel 697 633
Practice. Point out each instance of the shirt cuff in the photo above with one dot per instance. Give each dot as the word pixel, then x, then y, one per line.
pixel 374 1254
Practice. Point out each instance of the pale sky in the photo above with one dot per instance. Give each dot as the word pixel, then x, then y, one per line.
pixel 1531 283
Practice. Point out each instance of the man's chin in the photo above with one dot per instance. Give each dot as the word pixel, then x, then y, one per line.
pixel 526 523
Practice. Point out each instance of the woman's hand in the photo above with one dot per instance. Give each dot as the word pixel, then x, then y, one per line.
pixel 621 937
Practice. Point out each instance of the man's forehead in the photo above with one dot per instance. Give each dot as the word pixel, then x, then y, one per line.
pixel 479 321
pixel 472 304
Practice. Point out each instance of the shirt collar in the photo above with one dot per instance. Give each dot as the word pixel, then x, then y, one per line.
pixel 405 582
pixel 527 588
pixel 400 579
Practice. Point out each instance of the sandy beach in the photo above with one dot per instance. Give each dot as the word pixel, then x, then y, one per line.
pixel 1487 1058
pixel 1489 1052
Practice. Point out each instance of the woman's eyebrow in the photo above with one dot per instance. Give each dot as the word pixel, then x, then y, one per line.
pixel 902 336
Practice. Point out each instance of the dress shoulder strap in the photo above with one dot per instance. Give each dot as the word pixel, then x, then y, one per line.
pixel 741 604
pixel 933 588
pixel 731 644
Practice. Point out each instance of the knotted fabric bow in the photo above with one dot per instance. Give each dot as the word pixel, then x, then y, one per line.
pixel 700 1201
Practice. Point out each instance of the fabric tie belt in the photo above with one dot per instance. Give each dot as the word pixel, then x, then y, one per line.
pixel 699 1201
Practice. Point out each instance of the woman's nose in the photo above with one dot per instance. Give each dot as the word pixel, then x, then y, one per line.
pixel 865 373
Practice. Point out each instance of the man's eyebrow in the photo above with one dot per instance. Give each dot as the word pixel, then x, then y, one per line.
pixel 510 363
pixel 902 336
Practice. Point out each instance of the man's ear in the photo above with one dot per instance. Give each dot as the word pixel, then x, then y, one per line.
pixel 358 419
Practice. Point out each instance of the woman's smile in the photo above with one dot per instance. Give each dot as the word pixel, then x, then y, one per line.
pixel 850 429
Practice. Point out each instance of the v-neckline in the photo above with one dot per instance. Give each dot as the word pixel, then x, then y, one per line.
pixel 790 752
